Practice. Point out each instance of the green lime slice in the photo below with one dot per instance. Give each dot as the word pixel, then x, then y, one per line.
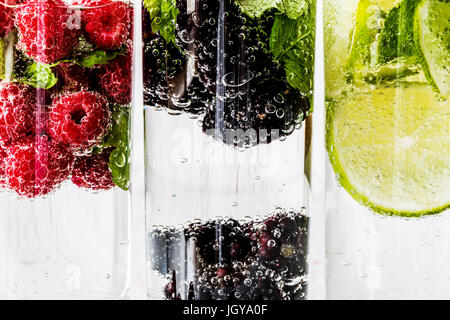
pixel 432 38
pixel 336 44
pixel 389 148
pixel 367 26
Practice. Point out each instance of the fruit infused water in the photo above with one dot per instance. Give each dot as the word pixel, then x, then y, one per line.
pixel 65 104
pixel 388 141
pixel 228 98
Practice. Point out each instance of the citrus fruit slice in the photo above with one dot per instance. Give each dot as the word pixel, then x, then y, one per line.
pixel 390 147
pixel 432 38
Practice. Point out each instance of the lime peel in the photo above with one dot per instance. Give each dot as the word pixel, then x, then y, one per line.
pixel 433 51
pixel 387 163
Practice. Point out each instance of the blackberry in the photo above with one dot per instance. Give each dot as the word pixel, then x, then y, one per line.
pixel 205 238
pixel 162 62
pixel 233 260
pixel 219 27
pixel 170 291
pixel 164 249
pixel 219 242
pixel 169 81
pixel 253 101
pixel 246 121
pixel 185 29
pixel 21 63
pixel 194 100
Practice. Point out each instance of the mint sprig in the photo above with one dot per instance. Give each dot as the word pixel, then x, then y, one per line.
pixel 397 35
pixel 292 43
pixel 295 8
pixel 118 138
pixel 254 8
pixel 39 75
pixel 292 8
pixel 97 57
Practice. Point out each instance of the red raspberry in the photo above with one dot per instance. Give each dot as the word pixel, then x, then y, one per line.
pixel 115 79
pixel 79 119
pixel 88 3
pixel 92 172
pixel 3 156
pixel 6 18
pixel 35 167
pixel 48 29
pixel 108 25
pixel 17 116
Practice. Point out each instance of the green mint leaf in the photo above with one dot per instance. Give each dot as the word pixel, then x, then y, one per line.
pixel 119 164
pixel 294 8
pixel 39 75
pixel 97 57
pixel 87 56
pixel 284 35
pixel 118 138
pixel 118 134
pixel 254 8
pixel 292 44
pixel 97 150
pixel 299 72
pixel 397 35
pixel 163 14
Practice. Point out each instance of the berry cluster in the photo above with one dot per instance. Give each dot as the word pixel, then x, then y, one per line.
pixel 52 134
pixel 234 260
pixel 44 33
pixel 220 65
pixel 167 81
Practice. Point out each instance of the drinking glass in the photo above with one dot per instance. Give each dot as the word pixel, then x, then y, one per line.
pixel 228 90
pixel 65 101
pixel 388 141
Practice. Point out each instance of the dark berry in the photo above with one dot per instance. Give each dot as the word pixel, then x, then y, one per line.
pixel 167 81
pixel 270 224
pixel 268 247
pixel 232 260
pixel 253 101
pixel 287 224
pixel 170 290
